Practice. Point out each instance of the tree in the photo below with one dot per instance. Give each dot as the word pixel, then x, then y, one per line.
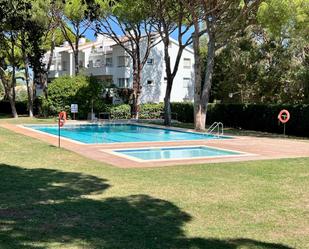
pixel 224 20
pixel 73 23
pixel 132 20
pixel 32 53
pixel 267 62
pixel 174 16
pixel 13 14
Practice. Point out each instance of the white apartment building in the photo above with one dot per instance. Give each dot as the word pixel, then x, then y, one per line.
pixel 106 60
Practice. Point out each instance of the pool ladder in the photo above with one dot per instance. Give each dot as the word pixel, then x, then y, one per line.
pixel 216 128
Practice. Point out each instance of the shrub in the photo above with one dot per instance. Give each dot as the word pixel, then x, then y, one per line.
pixel 21 107
pixel 261 117
pixel 120 111
pixel 151 111
pixel 183 111
pixel 65 90
pixel 251 117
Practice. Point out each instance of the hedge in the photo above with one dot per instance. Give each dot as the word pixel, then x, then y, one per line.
pixel 5 107
pixel 261 117
pixel 123 111
pixel 250 117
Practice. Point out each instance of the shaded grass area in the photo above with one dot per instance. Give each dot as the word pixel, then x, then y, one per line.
pixel 53 198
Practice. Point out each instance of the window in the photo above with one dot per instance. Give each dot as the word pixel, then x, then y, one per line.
pixel 109 61
pixel 186 82
pixel 123 82
pixel 150 61
pixel 187 63
pixel 97 63
pixel 149 82
pixel 64 65
pixel 123 61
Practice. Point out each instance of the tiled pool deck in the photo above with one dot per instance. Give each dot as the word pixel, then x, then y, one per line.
pixel 257 148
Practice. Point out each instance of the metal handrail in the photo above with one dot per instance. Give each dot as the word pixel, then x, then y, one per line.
pixel 212 126
pixel 216 126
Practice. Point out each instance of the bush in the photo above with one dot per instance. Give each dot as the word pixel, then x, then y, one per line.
pixel 66 90
pixel 21 107
pixel 250 117
pixel 123 111
pixel 261 117
pixel 151 111
pixel 183 111
pixel 120 111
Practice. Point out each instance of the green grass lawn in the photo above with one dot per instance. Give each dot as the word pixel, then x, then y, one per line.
pixel 53 198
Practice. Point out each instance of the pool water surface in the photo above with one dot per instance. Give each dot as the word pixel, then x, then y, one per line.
pixel 118 133
pixel 167 153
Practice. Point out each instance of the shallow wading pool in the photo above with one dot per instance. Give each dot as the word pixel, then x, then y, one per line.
pixel 174 153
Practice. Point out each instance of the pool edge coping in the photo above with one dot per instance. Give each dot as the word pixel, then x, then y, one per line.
pixel 24 126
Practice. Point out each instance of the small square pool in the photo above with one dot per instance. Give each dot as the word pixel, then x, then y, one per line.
pixel 169 153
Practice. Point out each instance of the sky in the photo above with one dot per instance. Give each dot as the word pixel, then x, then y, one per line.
pixel 90 33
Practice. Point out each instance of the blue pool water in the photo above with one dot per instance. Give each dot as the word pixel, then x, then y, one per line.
pixel 115 133
pixel 175 153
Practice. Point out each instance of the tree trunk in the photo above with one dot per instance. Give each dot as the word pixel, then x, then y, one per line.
pixel 169 84
pixel 13 106
pixel 8 91
pixel 199 118
pixel 137 77
pixel 76 62
pixel 137 91
pixel 75 50
pixel 208 81
pixel 29 90
pixel 13 82
pixel 167 103
pixel 50 60
pixel 13 68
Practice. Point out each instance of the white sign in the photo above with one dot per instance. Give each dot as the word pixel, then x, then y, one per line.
pixel 74 108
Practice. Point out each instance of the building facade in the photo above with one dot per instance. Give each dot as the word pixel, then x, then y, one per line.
pixel 106 60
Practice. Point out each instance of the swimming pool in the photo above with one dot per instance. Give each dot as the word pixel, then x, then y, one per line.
pixel 168 153
pixel 118 133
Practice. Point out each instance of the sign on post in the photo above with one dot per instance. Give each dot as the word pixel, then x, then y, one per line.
pixel 74 109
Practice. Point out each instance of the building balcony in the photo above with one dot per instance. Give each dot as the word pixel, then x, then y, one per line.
pixel 57 73
pixel 101 70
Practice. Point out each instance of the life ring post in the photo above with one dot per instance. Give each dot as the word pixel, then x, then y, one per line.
pixel 59 133
pixel 284 117
pixel 62 117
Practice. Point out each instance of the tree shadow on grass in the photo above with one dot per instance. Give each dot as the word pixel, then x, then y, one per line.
pixel 40 207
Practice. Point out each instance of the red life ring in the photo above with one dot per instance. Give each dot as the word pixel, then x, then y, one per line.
pixel 62 118
pixel 284 116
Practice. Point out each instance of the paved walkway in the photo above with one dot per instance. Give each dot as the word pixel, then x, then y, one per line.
pixel 257 149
